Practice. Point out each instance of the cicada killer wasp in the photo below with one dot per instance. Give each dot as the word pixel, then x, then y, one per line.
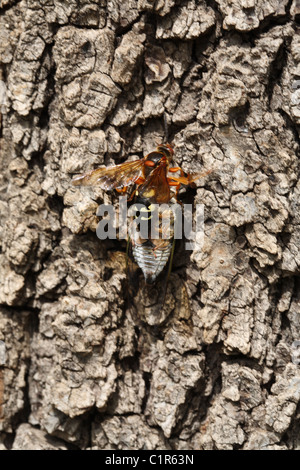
pixel 154 183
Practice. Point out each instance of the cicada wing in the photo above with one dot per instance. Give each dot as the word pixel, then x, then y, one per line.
pixel 114 177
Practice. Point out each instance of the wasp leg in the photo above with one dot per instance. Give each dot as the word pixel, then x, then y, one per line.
pixel 175 169
pixel 176 185
pixel 122 190
pixel 174 181
pixel 140 180
pixel 159 246
pixel 131 196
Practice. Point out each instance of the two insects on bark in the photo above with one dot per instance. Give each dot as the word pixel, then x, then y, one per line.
pixel 151 183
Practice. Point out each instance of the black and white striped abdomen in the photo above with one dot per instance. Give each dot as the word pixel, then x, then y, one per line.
pixel 151 261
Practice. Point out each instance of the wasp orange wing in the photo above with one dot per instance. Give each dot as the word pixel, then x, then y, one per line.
pixel 114 177
pixel 156 186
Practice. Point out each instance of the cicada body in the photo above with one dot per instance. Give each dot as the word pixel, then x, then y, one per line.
pixel 151 263
pixel 152 252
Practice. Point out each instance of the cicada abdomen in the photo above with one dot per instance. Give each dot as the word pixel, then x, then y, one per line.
pixel 152 237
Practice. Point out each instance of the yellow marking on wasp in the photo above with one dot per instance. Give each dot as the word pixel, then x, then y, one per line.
pixel 146 218
pixel 150 193
pixel 144 209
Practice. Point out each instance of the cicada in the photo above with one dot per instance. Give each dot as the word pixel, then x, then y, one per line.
pixel 152 182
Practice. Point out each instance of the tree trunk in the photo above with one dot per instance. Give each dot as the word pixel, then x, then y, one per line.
pixel 89 83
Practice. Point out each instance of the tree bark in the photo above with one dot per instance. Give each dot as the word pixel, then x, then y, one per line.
pixel 89 83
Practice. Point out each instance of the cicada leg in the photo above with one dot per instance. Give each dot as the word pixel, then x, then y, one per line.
pixel 169 272
pixel 132 282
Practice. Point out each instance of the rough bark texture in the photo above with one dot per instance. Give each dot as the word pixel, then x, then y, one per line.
pixel 86 83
